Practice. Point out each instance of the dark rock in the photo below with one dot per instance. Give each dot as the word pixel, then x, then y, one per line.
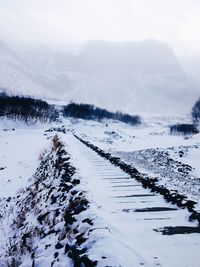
pixel 170 230
pixel 56 255
pixel 80 239
pixel 87 262
pixel 89 221
pixel 40 218
pixel 59 246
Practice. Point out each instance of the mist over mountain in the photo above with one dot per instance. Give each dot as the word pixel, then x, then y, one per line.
pixel 146 57
pixel 15 76
pixel 129 76
pixel 191 66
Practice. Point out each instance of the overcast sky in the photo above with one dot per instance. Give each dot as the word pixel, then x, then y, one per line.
pixel 176 22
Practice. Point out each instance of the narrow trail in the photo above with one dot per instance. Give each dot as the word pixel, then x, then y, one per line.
pixel 133 213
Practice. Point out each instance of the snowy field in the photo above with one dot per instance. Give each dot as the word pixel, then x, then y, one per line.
pixel 127 220
pixel 173 159
pixel 21 147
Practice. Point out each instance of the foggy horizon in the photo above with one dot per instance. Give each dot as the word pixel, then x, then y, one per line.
pixel 152 52
pixel 67 23
pixel 99 133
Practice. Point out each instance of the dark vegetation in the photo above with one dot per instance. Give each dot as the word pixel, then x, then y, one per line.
pixel 196 112
pixel 191 128
pixel 26 109
pixel 90 112
pixel 184 129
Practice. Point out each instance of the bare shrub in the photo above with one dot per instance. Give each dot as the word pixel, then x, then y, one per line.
pixel 56 142
pixel 183 129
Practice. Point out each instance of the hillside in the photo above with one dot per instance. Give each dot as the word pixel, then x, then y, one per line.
pixel 140 77
pixel 15 76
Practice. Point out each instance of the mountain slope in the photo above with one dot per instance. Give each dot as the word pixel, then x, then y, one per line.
pixel 147 57
pixel 132 77
pixel 15 76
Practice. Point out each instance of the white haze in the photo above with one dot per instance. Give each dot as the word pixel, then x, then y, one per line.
pixel 175 22
pixel 134 77
pixel 147 62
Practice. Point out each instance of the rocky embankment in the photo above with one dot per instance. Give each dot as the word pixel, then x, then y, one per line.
pixel 49 224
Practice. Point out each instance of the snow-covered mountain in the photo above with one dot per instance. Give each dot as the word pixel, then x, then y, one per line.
pixel 129 76
pixel 125 57
pixel 191 65
pixel 15 76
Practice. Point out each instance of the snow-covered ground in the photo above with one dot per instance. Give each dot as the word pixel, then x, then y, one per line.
pixel 127 220
pixel 117 196
pixel 21 149
pixel 173 159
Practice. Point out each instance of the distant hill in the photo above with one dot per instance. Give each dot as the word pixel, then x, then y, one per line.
pixel 134 77
pixel 15 76
pixel 191 66
pixel 146 57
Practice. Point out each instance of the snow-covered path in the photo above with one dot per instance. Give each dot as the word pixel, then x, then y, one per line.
pixel 122 201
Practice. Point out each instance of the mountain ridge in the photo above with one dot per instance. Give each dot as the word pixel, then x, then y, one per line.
pixel 130 76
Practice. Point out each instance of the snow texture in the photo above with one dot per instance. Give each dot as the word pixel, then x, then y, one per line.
pixel 72 207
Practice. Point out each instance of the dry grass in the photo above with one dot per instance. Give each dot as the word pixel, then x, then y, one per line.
pixel 56 142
